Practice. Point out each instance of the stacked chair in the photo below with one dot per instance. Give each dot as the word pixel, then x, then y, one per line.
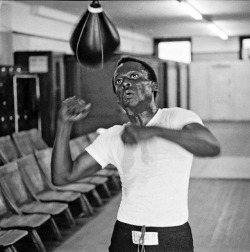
pixel 9 238
pixel 29 202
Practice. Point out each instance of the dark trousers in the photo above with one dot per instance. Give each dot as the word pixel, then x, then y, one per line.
pixel 171 239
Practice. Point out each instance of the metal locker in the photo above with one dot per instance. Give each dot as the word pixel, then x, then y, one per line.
pixel 7 122
pixel 26 102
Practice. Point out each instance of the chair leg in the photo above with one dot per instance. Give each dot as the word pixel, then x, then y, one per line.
pixel 97 197
pixel 13 249
pixel 106 190
pixel 10 249
pixel 69 217
pixel 37 241
pixel 115 183
pixel 55 229
pixel 85 205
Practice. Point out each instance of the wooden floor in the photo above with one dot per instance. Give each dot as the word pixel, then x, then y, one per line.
pixel 220 214
pixel 219 201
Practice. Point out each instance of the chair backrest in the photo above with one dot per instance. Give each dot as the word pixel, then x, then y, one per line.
pixel 31 173
pixel 3 205
pixel 36 139
pixel 12 184
pixel 3 159
pixel 92 136
pixel 84 141
pixel 7 207
pixel 76 147
pixel 8 148
pixel 23 142
pixel 44 161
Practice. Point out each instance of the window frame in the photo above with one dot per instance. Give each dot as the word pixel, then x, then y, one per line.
pixel 241 45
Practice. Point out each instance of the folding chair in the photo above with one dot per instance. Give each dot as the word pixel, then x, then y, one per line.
pixel 9 238
pixel 21 194
pixel 43 190
pixel 9 149
pixel 12 218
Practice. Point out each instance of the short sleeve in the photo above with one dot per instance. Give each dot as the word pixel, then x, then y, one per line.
pixel 180 117
pixel 102 148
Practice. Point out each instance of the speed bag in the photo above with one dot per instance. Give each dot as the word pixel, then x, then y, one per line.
pixel 94 38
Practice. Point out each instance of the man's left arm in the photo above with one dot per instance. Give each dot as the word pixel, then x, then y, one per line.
pixel 193 137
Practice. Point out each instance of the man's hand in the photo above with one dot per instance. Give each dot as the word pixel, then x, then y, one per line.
pixel 73 109
pixel 133 134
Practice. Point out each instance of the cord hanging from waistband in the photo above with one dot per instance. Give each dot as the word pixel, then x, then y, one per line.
pixel 141 240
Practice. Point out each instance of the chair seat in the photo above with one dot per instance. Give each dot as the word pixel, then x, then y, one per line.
pixel 58 196
pixel 111 167
pixel 117 174
pixel 104 172
pixel 9 237
pixel 94 180
pixel 76 187
pixel 24 221
pixel 52 208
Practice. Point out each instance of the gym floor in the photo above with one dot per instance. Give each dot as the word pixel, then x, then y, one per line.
pixel 219 201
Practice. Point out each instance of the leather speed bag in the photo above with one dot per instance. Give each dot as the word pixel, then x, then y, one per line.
pixel 94 38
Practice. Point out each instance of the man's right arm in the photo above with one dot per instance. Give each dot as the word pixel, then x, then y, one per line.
pixel 63 169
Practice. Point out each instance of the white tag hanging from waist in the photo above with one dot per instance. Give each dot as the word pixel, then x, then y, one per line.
pixel 150 238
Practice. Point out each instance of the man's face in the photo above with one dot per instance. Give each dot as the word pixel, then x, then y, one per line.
pixel 133 88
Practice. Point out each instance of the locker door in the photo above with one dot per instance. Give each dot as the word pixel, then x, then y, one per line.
pixel 26 100
pixel 7 125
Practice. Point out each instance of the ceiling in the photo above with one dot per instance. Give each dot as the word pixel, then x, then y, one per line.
pixel 166 18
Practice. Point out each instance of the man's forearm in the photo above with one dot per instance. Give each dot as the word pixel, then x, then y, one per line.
pixel 195 138
pixel 199 141
pixel 61 162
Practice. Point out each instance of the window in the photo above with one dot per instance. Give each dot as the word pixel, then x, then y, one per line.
pixel 175 50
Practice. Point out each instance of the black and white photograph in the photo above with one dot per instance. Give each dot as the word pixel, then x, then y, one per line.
pixel 125 126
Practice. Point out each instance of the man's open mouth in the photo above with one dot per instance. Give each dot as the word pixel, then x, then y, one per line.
pixel 128 93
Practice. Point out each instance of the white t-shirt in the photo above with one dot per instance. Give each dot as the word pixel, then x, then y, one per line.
pixel 154 173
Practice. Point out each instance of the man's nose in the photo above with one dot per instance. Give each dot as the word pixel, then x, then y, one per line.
pixel 126 83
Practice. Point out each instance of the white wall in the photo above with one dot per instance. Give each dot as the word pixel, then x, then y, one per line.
pixel 5 35
pixel 33 32
pixel 135 43
pixel 172 84
pixel 220 90
pixel 214 48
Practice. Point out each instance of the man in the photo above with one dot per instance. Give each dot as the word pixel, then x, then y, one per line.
pixel 153 154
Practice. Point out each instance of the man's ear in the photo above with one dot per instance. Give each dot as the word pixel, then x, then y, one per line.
pixel 155 86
